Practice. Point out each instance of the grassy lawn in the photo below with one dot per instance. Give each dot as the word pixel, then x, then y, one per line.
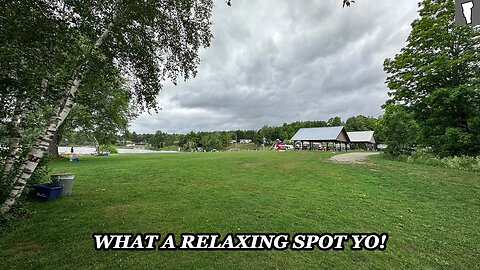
pixel 432 214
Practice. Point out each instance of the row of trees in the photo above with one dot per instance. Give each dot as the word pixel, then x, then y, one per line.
pixel 266 134
pixel 434 83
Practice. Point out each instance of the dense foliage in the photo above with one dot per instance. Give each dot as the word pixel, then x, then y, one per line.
pixel 222 139
pixel 436 80
pixel 398 129
pixel 426 157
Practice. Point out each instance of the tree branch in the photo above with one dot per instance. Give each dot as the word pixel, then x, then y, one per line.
pixel 60 114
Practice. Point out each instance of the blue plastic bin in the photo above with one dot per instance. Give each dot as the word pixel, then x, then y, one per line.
pixel 47 192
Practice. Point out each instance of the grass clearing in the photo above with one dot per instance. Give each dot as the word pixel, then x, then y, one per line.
pixel 431 214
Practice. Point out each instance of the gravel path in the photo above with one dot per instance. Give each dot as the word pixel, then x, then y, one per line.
pixel 352 157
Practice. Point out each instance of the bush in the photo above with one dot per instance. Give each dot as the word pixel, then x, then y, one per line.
pixel 109 148
pixel 398 129
pixel 426 157
pixel 462 163
pixel 390 156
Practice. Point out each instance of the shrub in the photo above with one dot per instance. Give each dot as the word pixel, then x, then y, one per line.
pixel 109 148
pixel 476 166
pixel 461 163
pixel 401 158
pixel 425 156
pixel 398 129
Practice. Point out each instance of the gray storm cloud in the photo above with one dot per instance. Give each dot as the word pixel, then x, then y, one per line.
pixel 273 62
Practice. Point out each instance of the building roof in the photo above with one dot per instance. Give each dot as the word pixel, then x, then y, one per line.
pixel 324 134
pixel 361 137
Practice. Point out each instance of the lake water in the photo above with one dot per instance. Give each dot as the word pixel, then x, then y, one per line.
pixel 90 150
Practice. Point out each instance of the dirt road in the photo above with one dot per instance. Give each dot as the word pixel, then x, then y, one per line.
pixel 352 157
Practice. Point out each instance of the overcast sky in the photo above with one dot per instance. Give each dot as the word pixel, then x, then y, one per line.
pixel 275 62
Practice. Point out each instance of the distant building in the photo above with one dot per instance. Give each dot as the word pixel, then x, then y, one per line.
pixel 362 137
pixel 324 138
pixel 244 141
pixel 362 140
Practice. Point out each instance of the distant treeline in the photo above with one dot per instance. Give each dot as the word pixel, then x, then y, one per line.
pixel 222 139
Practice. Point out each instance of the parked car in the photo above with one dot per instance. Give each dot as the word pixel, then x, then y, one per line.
pixel 289 147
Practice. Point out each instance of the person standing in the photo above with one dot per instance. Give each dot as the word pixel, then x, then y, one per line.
pixel 72 151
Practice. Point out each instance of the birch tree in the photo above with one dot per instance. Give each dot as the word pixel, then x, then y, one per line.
pixel 102 110
pixel 147 41
pixel 50 47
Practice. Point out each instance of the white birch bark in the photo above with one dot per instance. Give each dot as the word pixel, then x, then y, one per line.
pixel 38 150
pixel 14 142
pixel 42 143
pixel 96 144
pixel 21 114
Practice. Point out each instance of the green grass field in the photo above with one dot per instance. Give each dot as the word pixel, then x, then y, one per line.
pixel 432 214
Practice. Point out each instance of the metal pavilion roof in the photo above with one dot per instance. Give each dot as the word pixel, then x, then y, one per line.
pixel 320 134
pixel 361 137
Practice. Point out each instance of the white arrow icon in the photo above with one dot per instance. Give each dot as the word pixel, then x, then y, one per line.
pixel 467 11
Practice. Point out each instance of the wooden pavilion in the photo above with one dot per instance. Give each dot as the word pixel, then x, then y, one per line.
pixel 329 138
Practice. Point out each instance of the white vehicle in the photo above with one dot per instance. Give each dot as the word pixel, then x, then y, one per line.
pixel 289 147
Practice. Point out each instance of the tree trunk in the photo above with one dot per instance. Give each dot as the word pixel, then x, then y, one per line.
pixel 95 144
pixel 44 140
pixel 10 160
pixel 38 150
pixel 53 149
pixel 14 142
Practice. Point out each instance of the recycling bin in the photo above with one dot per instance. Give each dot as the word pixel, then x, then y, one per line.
pixel 47 192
